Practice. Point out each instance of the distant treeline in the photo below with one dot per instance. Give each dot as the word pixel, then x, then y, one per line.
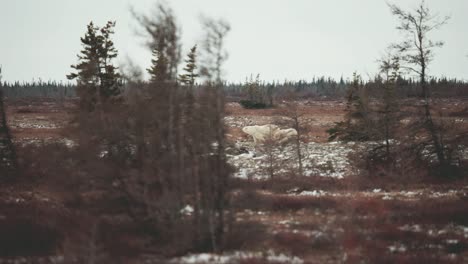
pixel 329 87
pixel 38 89
pixel 318 87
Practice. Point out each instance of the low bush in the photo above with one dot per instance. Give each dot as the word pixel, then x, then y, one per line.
pixel 248 104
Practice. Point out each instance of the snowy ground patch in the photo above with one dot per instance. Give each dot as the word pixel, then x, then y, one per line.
pixel 238 257
pixel 418 194
pixel 319 159
pixel 46 141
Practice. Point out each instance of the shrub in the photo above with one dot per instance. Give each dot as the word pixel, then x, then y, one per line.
pixel 248 104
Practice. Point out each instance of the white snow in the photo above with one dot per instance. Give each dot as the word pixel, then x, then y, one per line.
pixel 187 210
pixel 452 241
pixel 319 159
pixel 46 141
pixel 397 248
pixel 238 257
pixel 385 195
pixel 318 193
pixel 411 228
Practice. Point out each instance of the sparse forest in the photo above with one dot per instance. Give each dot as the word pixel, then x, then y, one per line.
pixel 183 166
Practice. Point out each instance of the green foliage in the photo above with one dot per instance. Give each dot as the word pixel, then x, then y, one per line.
pixel 247 104
pixel 357 125
pixel 110 78
pixel 387 118
pixel 258 95
pixel 189 77
pixel 158 70
pixel 38 89
pixel 97 78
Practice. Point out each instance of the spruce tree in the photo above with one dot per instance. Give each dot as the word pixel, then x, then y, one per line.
pixel 158 70
pixel 256 94
pixel 389 109
pixel 110 78
pixel 381 153
pixel 97 78
pixel 189 77
pixel 357 125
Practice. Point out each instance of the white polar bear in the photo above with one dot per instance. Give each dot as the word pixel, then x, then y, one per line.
pixel 284 135
pixel 260 134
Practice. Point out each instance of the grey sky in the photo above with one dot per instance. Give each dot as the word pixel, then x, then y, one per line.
pixel 279 39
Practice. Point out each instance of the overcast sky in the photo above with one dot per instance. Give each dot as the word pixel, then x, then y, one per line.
pixel 279 39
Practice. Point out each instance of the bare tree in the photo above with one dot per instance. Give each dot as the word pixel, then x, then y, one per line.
pixel 213 53
pixel 213 56
pixel 271 147
pixel 293 111
pixel 416 53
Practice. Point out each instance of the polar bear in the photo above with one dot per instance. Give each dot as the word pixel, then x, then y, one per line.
pixel 260 134
pixel 284 135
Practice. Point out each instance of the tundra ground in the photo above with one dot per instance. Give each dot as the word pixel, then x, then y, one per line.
pixel 331 215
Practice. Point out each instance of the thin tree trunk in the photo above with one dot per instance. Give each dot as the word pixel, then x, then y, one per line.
pixel 172 141
pixel 429 124
pixel 181 146
pixel 220 180
pixel 298 144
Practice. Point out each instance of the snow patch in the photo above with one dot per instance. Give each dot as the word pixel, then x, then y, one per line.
pixel 187 210
pixel 319 159
pixel 238 257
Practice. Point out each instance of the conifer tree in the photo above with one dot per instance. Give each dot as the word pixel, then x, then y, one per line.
pixel 110 78
pixel 357 124
pixel 158 70
pixel 258 95
pixel 97 78
pixel 389 107
pixel 189 77
pixel 386 115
